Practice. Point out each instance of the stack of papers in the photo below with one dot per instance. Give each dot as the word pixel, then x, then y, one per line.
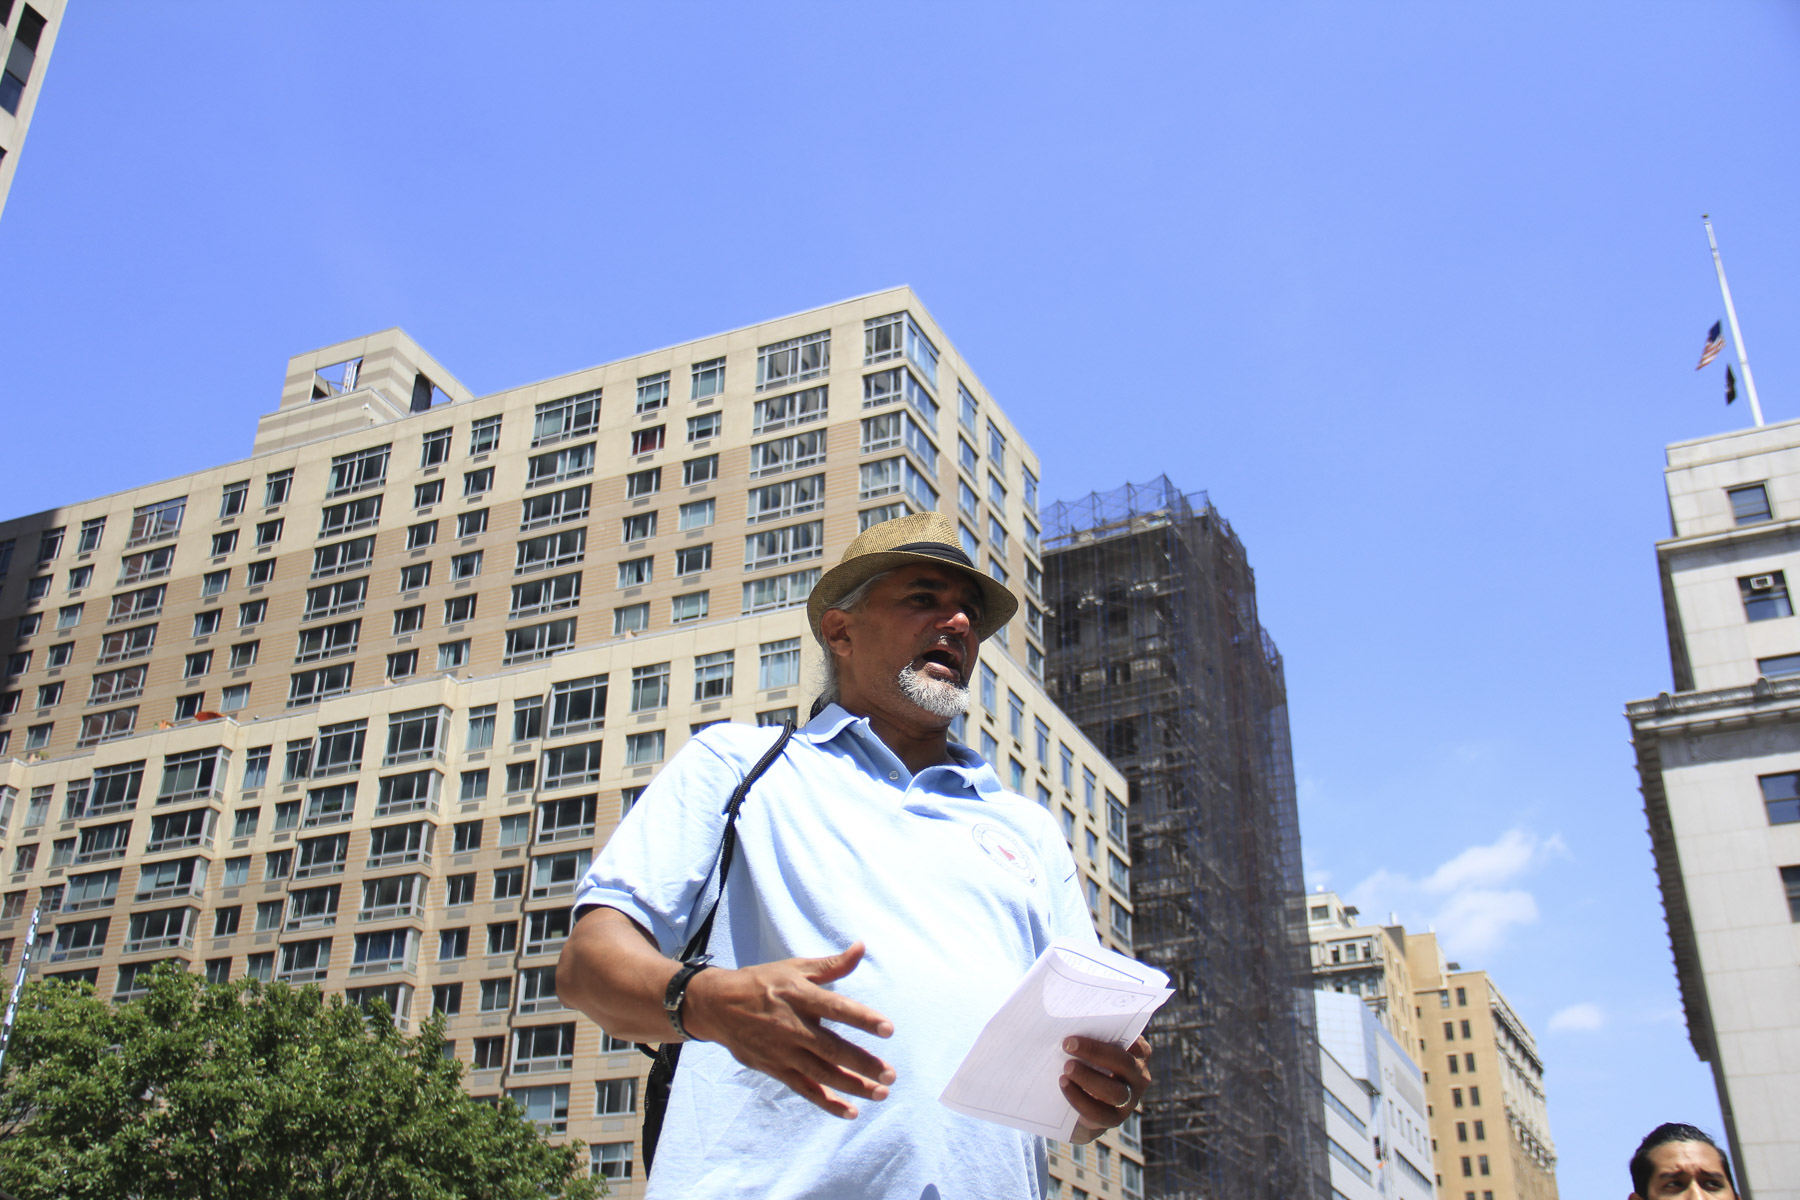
pixel 1074 989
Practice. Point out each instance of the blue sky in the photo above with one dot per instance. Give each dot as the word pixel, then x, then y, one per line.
pixel 1415 291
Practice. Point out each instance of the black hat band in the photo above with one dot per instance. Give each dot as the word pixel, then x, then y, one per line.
pixel 933 550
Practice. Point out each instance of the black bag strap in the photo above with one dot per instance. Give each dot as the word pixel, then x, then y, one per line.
pixel 668 1055
pixel 702 936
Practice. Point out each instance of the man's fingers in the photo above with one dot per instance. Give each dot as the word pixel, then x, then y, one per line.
pixel 823 1005
pixel 833 966
pixel 1125 1062
pixel 823 1097
pixel 1107 1089
pixel 1093 1113
pixel 834 1050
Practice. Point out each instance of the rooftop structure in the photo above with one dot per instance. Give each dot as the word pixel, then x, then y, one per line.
pixel 28 31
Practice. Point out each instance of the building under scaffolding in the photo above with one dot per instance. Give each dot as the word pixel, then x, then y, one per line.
pixel 1157 653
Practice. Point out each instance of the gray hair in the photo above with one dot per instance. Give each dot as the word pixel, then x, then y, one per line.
pixel 851 601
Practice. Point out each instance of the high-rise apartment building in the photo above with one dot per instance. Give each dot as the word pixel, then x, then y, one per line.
pixel 1718 760
pixel 1367 961
pixel 28 32
pixel 1484 1081
pixel 357 710
pixel 1157 653
pixel 1377 1120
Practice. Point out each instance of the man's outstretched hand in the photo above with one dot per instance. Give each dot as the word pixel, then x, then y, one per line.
pixel 1104 1083
pixel 770 1018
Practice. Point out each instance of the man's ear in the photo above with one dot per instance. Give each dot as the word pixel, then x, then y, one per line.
pixel 835 625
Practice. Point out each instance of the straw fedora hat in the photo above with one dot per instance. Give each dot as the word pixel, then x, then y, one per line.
pixel 920 538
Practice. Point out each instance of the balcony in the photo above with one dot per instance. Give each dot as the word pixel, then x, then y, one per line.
pixel 411 910
pixel 419 754
pixel 75 906
pixel 566 833
pixel 209 793
pixel 398 858
pixel 547 945
pixel 178 941
pixel 318 820
pixel 319 869
pixel 310 921
pixel 538 1066
pixel 116 697
pixel 107 809
pixel 395 808
pixel 177 891
pixel 75 953
pixel 103 854
pixel 538 1005
pixel 141 614
pixel 382 967
pixel 182 842
pixel 302 975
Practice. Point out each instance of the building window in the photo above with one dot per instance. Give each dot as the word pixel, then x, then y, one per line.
pixel 644 747
pixel 1749 504
pixel 643 483
pixel 637 527
pixel 610 1160
pixel 1790 881
pixel 779 591
pixel 784 412
pixel 647 441
pixel 560 466
pixel 539 641
pixel 632 618
pixel 790 497
pixel 573 416
pixel 696 514
pixel 458 609
pixel 713 675
pixel 1765 596
pixel 1781 797
pixel 635 572
pixel 694 606
pixel 551 550
pixel 427 494
pixel 781 363
pixel 708 379
pixel 778 664
pixel 653 392
pixel 484 435
pixel 570 504
pixel 696 471
pixel 470 524
pixel 478 483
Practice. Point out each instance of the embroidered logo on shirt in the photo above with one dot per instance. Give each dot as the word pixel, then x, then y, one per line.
pixel 1001 846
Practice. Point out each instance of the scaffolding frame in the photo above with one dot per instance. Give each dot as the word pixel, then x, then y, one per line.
pixel 1157 653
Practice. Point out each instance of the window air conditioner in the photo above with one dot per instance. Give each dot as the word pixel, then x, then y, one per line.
pixel 1761 583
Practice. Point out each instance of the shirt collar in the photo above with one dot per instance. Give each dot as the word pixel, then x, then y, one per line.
pixel 834 719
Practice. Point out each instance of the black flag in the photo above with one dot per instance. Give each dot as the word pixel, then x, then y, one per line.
pixel 1730 385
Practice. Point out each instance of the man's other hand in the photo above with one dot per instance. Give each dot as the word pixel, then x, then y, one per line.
pixel 771 1019
pixel 1104 1083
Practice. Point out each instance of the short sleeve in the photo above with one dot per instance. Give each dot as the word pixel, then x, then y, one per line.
pixel 658 862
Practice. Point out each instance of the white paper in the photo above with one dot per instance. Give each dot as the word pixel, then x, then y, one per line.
pixel 1011 1074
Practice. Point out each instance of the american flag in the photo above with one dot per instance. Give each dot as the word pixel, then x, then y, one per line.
pixel 1715 342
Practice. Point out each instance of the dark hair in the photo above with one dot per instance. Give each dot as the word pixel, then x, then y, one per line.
pixel 1662 1135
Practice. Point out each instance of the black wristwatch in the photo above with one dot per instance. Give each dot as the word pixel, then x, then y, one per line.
pixel 677 991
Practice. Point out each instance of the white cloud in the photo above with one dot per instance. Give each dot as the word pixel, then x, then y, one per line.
pixel 1465 898
pixel 1578 1018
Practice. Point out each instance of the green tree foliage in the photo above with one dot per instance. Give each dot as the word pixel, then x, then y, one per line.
pixel 251 1092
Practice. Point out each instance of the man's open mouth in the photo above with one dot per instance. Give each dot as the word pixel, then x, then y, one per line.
pixel 946 659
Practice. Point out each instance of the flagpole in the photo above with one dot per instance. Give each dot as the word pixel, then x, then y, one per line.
pixel 1737 334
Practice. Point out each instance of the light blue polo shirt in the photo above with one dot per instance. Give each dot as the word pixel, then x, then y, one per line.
pixel 954 884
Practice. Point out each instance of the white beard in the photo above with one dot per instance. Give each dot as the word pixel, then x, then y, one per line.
pixel 939 697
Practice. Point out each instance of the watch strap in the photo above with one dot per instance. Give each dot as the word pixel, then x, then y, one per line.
pixel 676 992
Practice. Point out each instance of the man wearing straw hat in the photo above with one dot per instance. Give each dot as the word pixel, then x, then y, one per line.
pixel 884 897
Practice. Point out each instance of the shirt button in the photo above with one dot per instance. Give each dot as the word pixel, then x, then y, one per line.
pixel 893 774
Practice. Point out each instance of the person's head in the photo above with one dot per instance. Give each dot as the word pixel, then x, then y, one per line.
pixel 1679 1161
pixel 901 619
